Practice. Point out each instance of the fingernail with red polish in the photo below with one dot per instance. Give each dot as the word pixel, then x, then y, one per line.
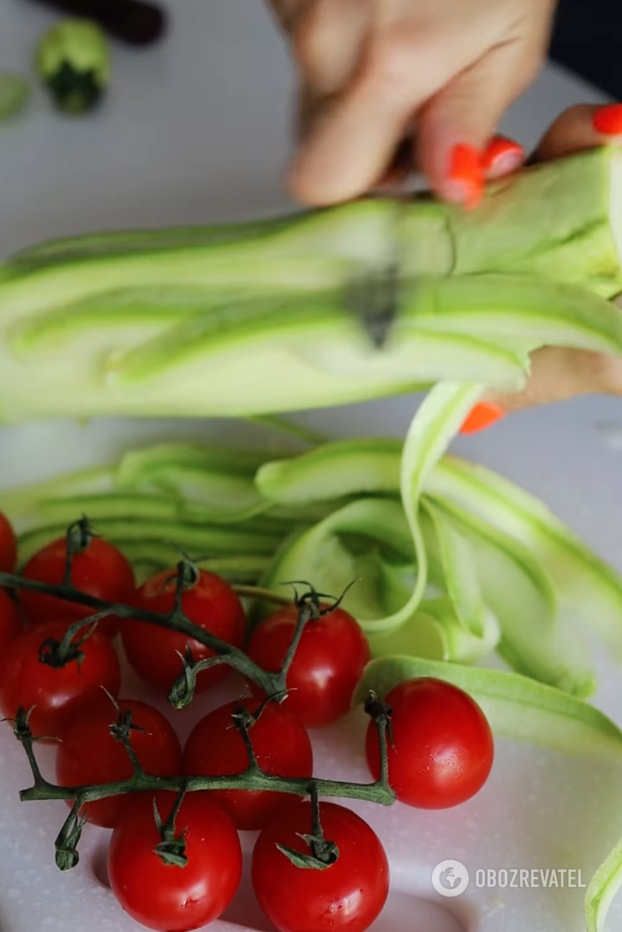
pixel 483 415
pixel 608 120
pixel 464 179
pixel 502 156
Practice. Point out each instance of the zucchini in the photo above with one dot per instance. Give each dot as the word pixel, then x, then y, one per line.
pixel 256 319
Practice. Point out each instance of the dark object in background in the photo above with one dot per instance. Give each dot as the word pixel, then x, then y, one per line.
pixel 132 21
pixel 586 40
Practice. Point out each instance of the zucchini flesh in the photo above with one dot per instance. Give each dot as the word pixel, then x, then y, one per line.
pixel 459 571
pixel 435 632
pixel 336 469
pixel 583 581
pixel 322 554
pixel 520 592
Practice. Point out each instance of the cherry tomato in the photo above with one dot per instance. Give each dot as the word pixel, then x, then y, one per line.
pixel 281 746
pixel 90 754
pixel 8 546
pixel 164 896
pixel 442 749
pixel 153 652
pixel 346 896
pixel 10 624
pixel 55 692
pixel 327 665
pixel 99 570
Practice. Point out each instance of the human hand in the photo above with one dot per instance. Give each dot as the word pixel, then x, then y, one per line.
pixel 370 69
pixel 559 374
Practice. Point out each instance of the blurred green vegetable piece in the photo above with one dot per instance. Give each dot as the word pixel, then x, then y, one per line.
pixel 73 60
pixel 14 94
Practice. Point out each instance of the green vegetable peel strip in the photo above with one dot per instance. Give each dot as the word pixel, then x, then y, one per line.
pixel 602 889
pixel 582 580
pixel 516 706
pixel 519 590
pixel 435 424
pixel 321 553
pixel 459 571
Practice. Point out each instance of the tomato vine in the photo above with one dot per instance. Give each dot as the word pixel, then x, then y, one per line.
pixel 273 684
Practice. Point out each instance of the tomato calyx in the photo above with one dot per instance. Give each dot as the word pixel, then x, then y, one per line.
pixel 380 713
pixel 23 733
pixel 79 536
pixel 309 610
pixel 66 844
pixel 121 731
pixel 57 654
pixel 244 720
pixel 322 852
pixel 309 603
pixel 172 848
pixel 186 576
pixel 22 730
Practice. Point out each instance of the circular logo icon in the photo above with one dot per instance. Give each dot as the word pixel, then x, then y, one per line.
pixel 450 878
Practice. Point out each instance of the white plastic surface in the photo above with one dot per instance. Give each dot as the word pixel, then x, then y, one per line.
pixel 197 130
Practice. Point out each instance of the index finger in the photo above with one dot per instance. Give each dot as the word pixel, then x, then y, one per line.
pixel 584 126
pixel 353 140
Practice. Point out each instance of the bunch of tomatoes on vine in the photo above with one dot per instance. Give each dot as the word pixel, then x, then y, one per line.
pixel 175 858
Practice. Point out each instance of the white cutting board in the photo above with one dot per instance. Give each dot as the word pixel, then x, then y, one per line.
pixel 197 130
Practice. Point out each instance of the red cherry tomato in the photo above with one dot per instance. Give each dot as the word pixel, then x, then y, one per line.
pixel 281 746
pixel 55 692
pixel 346 896
pixel 327 665
pixel 89 754
pixel 164 896
pixel 99 570
pixel 10 624
pixel 442 749
pixel 153 652
pixel 8 546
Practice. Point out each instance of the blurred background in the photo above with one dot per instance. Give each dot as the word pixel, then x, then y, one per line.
pixel 586 40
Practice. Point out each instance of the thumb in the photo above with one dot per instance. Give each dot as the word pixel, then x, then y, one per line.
pixel 459 121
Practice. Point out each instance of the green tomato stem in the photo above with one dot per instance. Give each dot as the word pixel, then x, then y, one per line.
pixel 270 683
pixel 273 684
pixel 250 779
pixel 253 778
